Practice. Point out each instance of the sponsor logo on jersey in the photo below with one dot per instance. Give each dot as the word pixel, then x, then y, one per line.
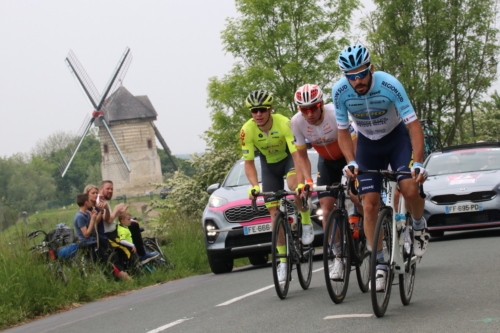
pixel 245 151
pixel 242 137
pixel 393 89
pixel 370 113
pixel 274 132
pixel 367 187
pixel 378 101
pixel 404 107
pixel 260 135
pixel 410 118
pixel 375 93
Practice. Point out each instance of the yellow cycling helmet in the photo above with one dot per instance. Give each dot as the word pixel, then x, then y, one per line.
pixel 259 98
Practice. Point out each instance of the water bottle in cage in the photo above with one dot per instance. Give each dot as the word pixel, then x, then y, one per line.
pixel 383 193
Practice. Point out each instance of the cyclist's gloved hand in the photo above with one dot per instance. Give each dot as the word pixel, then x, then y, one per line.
pixel 421 169
pixel 346 168
pixel 256 188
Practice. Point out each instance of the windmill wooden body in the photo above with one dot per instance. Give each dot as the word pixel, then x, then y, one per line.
pixel 126 131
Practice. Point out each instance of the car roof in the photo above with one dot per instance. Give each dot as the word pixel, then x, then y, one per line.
pixel 471 146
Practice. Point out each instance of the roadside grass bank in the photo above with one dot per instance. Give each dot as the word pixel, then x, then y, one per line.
pixel 28 291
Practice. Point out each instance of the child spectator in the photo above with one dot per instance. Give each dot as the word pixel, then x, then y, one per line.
pixel 126 237
pixel 85 225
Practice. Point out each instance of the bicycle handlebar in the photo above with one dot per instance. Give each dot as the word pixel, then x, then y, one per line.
pixel 390 174
pixel 278 195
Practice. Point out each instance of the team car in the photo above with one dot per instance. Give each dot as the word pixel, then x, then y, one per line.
pixel 463 188
pixel 233 230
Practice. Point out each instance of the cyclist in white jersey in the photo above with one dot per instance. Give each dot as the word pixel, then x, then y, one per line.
pixel 378 103
pixel 316 123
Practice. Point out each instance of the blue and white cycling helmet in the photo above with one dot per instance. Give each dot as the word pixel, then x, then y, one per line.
pixel 353 57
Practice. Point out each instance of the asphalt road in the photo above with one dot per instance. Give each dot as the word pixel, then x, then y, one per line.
pixel 456 290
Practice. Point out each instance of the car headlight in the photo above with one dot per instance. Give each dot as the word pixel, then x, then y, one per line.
pixel 216 202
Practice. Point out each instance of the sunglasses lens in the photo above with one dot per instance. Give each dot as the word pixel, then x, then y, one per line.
pixel 257 110
pixel 361 75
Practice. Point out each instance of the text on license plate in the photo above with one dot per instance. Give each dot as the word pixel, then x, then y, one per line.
pixel 463 208
pixel 257 228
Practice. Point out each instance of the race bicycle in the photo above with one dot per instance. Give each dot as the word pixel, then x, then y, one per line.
pixel 288 228
pixel 353 249
pixel 395 238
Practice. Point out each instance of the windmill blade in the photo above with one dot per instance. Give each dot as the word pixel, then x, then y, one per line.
pixel 83 79
pixel 116 78
pixel 114 154
pixel 72 149
pixel 164 144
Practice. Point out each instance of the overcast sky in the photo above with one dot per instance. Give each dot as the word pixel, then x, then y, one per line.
pixel 176 48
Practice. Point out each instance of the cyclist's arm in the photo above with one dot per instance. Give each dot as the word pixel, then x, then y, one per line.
pixel 298 166
pixel 251 172
pixel 304 164
pixel 346 144
pixel 417 140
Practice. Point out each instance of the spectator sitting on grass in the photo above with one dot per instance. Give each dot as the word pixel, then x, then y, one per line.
pixel 126 237
pixel 85 225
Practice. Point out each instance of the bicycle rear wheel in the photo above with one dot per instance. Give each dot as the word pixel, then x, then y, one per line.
pixel 280 227
pixel 383 231
pixel 407 279
pixel 151 245
pixel 336 232
pixel 304 266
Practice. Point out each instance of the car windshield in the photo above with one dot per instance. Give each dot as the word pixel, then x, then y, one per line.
pixel 469 160
pixel 237 176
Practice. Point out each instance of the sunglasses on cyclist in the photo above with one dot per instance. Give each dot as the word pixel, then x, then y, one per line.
pixel 310 108
pixel 361 75
pixel 260 109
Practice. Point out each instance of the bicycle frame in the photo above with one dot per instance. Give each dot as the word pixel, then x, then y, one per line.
pixel 398 262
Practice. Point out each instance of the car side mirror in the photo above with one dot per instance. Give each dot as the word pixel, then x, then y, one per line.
pixel 211 189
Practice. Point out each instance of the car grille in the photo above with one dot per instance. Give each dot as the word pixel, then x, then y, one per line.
pixel 246 213
pixel 237 239
pixel 450 199
pixel 484 216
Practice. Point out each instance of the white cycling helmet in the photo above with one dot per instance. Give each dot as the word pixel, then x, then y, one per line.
pixel 308 94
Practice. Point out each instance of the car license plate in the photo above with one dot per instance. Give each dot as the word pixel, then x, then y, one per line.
pixel 257 228
pixel 463 208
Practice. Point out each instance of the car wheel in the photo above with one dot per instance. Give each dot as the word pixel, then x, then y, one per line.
pixel 437 233
pixel 259 259
pixel 220 265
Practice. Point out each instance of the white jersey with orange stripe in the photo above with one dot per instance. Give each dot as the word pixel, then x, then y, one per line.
pixel 323 137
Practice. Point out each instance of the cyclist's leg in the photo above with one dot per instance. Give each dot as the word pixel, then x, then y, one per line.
pixel 327 175
pixel 402 161
pixel 291 180
pixel 272 180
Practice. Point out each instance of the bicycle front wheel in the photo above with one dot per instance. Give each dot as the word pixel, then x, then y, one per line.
pixel 407 279
pixel 280 233
pixel 304 266
pixel 383 233
pixel 336 255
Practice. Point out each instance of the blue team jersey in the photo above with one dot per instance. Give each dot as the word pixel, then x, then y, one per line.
pixel 377 112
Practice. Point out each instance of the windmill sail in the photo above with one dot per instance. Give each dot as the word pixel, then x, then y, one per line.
pixel 97 101
pixel 164 144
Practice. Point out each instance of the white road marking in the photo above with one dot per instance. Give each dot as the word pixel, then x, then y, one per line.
pixel 246 295
pixel 319 269
pixel 164 327
pixel 348 316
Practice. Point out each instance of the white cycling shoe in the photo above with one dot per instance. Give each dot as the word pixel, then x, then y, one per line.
pixel 282 270
pixel 421 240
pixel 337 270
pixel 307 234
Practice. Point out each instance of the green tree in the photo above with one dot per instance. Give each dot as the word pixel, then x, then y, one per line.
pixel 280 45
pixel 189 193
pixel 168 168
pixel 444 52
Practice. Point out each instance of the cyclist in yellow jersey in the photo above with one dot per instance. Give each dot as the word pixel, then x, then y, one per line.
pixel 272 136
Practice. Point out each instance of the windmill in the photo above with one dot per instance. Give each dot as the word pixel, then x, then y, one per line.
pixel 103 104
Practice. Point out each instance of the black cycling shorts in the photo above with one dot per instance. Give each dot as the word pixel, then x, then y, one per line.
pixel 273 174
pixel 394 149
pixel 329 172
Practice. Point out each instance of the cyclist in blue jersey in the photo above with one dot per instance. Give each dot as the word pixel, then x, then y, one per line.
pixel 378 104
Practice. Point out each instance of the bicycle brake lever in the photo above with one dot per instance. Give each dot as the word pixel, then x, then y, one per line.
pixel 420 185
pixel 303 199
pixel 254 202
